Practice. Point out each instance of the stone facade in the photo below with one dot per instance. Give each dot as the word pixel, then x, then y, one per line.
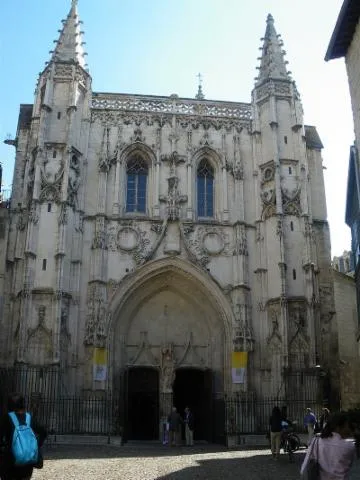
pixel 168 287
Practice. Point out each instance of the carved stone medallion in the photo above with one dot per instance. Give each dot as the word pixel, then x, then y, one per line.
pixel 128 239
pixel 213 243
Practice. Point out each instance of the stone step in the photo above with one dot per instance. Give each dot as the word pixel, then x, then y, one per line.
pixel 82 440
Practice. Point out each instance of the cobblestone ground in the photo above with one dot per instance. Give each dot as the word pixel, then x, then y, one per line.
pixel 150 463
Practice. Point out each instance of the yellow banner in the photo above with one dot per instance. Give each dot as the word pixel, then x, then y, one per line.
pixel 239 359
pixel 100 356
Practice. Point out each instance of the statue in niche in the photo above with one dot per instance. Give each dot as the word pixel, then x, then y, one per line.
pixel 167 369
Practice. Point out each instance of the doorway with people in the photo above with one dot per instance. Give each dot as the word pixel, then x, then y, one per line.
pixel 193 388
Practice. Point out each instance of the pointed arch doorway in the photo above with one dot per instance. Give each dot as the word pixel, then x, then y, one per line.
pixel 193 388
pixel 171 306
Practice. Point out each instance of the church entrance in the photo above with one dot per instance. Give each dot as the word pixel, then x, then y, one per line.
pixel 143 404
pixel 193 388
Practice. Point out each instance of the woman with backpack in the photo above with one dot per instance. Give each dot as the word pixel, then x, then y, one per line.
pixel 20 455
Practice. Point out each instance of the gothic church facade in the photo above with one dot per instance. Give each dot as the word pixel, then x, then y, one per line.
pixel 163 235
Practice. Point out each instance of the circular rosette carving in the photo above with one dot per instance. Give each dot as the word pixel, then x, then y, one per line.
pixel 128 239
pixel 213 243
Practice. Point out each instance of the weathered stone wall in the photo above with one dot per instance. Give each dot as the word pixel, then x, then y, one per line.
pixel 353 70
pixel 4 290
pixel 347 327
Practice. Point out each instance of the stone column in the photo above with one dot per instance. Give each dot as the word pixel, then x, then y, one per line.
pixel 157 185
pixel 116 189
pixel 225 194
pixel 189 211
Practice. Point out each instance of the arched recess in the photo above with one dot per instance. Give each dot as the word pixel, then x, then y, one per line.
pixel 198 323
pixel 214 160
pixel 148 156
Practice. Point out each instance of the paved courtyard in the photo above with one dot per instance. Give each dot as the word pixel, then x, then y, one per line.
pixel 152 462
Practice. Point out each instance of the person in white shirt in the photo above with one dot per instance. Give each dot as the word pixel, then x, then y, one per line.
pixel 334 449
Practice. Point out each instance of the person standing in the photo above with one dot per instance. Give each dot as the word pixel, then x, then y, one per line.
pixel 275 431
pixel 324 418
pixel 189 427
pixel 309 423
pixel 175 422
pixel 334 450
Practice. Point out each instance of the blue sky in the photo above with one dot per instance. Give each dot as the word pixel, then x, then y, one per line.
pixel 159 46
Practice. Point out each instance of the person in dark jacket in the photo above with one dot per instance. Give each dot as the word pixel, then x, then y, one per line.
pixel 175 422
pixel 275 431
pixel 9 471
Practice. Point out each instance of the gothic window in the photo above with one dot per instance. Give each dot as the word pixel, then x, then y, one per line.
pixel 137 173
pixel 205 189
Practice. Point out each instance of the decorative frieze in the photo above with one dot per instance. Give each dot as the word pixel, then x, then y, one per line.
pixel 170 105
pixel 63 70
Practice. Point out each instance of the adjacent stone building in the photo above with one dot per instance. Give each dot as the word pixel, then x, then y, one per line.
pixel 344 263
pixel 347 327
pixel 345 42
pixel 170 250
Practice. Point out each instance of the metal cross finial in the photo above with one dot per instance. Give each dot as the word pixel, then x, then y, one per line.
pixel 73 3
pixel 200 94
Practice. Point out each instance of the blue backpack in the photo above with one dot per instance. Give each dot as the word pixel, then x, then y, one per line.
pixel 24 445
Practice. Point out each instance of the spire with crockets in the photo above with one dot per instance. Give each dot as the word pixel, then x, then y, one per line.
pixel 70 47
pixel 272 63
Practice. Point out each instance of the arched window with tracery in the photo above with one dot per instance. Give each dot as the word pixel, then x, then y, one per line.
pixel 205 189
pixel 136 183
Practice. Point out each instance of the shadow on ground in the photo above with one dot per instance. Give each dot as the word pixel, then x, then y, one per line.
pixel 257 467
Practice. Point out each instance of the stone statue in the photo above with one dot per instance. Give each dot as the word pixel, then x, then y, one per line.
pixel 167 369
